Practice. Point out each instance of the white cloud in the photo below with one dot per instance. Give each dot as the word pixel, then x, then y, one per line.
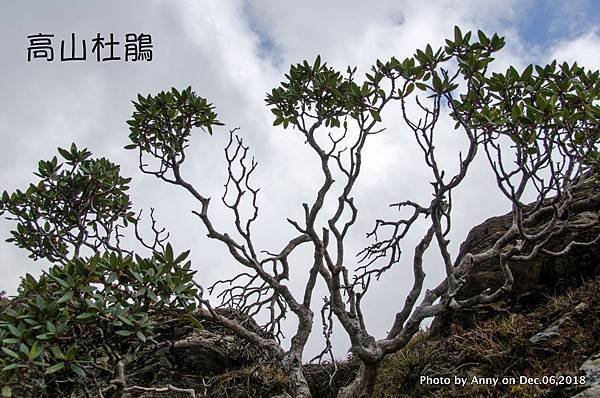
pixel 585 49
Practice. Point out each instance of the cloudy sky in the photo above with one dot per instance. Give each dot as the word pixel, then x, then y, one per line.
pixel 233 52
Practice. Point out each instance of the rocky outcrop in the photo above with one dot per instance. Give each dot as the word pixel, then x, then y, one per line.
pixel 544 271
pixel 540 276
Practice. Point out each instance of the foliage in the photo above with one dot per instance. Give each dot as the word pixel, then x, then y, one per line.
pixel 325 91
pixel 77 202
pixel 161 125
pixel 77 313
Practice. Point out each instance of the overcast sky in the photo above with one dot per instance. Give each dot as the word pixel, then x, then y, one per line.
pixel 233 52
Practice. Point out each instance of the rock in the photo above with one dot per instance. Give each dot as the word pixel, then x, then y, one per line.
pixel 552 331
pixel 544 272
pixel 187 355
pixel 535 278
pixel 547 335
pixel 591 368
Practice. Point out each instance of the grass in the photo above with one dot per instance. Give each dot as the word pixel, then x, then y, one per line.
pixel 500 347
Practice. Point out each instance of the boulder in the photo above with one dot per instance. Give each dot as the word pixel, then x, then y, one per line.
pixel 538 277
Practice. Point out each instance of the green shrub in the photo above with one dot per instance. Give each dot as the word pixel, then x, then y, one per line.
pixel 80 318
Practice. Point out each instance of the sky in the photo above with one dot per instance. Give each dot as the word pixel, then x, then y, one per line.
pixel 233 52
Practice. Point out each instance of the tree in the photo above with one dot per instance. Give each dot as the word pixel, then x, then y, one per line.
pixel 79 204
pixel 538 130
pixel 92 311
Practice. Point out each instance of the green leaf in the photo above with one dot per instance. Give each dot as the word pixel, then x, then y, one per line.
pixel 457 35
pixel 497 42
pixel 13 330
pixel 141 336
pixel 50 327
pixel 375 115
pixel 124 333
pixel 55 368
pixel 35 351
pixel 483 38
pixel 10 353
pixel 61 282
pixel 317 63
pixel 527 72
pixel 77 369
pixel 11 340
pixel 125 320
pixel 152 296
pixel 11 367
pixel 65 154
pixel 429 51
pixel 57 352
pixel 85 315
pixel 71 352
pixel 182 256
pixel 65 297
pixel 437 83
pixel 169 253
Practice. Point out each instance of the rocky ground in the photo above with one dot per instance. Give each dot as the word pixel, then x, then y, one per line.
pixel 558 337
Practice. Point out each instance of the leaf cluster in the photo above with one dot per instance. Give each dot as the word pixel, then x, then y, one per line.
pixel 322 93
pixel 541 104
pixel 76 198
pixel 161 125
pixel 87 309
pixel 429 70
pixel 557 100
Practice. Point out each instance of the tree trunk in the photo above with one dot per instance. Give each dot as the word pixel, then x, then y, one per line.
pixel 292 364
pixel 363 384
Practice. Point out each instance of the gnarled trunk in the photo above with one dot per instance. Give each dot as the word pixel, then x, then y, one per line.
pixel 363 384
pixel 292 364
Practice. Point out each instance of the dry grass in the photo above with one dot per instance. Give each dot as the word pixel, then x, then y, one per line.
pixel 500 347
pixel 254 381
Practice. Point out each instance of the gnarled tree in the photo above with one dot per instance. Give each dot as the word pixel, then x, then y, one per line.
pixel 538 130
